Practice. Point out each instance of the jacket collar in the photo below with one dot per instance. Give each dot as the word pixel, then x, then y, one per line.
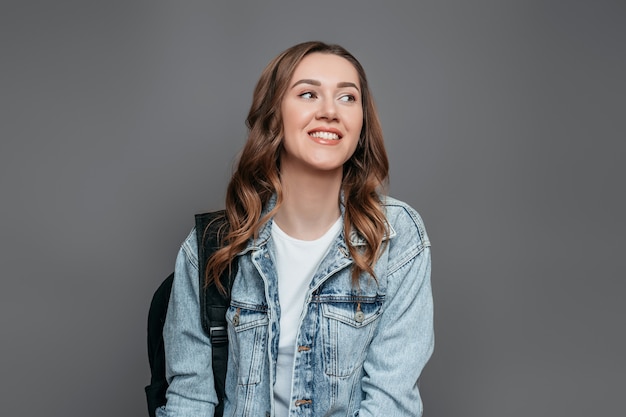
pixel 355 238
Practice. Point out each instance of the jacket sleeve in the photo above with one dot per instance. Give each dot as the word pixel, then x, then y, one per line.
pixel 191 392
pixel 404 339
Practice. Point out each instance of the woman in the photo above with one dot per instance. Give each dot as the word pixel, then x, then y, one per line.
pixel 331 307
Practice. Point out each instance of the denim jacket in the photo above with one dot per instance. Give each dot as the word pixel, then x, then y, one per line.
pixel 359 351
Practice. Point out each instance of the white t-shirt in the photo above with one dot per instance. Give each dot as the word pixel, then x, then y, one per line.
pixel 296 263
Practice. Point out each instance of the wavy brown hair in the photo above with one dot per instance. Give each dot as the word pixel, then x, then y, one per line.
pixel 257 175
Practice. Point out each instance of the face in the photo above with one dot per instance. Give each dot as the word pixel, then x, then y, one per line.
pixel 322 114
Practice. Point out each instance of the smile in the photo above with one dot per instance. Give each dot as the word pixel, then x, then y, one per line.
pixel 325 135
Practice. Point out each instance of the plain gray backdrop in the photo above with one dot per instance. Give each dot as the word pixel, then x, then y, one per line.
pixel 504 122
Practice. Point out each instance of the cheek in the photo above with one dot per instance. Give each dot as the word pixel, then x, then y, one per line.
pixel 285 116
pixel 294 117
pixel 356 119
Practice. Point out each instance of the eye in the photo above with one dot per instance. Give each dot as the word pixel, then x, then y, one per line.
pixel 307 95
pixel 347 98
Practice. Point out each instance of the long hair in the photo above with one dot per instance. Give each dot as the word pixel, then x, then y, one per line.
pixel 257 175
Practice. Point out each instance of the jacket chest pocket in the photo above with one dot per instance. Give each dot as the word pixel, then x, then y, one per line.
pixel 347 330
pixel 247 336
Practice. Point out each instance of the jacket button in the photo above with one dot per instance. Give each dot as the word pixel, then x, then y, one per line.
pixel 236 318
pixel 359 316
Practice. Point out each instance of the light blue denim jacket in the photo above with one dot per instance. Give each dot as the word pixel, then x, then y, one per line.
pixel 359 352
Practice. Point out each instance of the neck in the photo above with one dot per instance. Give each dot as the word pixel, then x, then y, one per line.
pixel 310 202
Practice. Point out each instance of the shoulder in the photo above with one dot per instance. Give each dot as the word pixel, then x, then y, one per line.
pixel 189 248
pixel 405 223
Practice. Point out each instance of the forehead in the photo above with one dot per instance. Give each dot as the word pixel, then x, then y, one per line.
pixel 326 68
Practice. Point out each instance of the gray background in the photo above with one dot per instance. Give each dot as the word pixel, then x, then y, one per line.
pixel 504 122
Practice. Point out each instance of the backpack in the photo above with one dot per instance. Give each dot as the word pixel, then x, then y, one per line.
pixel 210 228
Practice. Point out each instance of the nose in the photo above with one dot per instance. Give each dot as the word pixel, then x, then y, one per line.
pixel 327 109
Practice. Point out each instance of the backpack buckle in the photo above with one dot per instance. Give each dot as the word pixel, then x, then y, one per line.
pixel 218 335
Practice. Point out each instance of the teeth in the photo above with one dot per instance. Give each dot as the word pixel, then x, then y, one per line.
pixel 325 135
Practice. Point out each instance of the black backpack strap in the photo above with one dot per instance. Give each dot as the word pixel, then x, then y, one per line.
pixel 155 392
pixel 210 229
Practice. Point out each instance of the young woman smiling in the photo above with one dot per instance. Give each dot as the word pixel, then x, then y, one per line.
pixel 331 308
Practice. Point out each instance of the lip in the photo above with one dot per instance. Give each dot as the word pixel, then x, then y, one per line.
pixel 327 130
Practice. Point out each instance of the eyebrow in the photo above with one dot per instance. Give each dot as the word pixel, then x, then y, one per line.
pixel 318 83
